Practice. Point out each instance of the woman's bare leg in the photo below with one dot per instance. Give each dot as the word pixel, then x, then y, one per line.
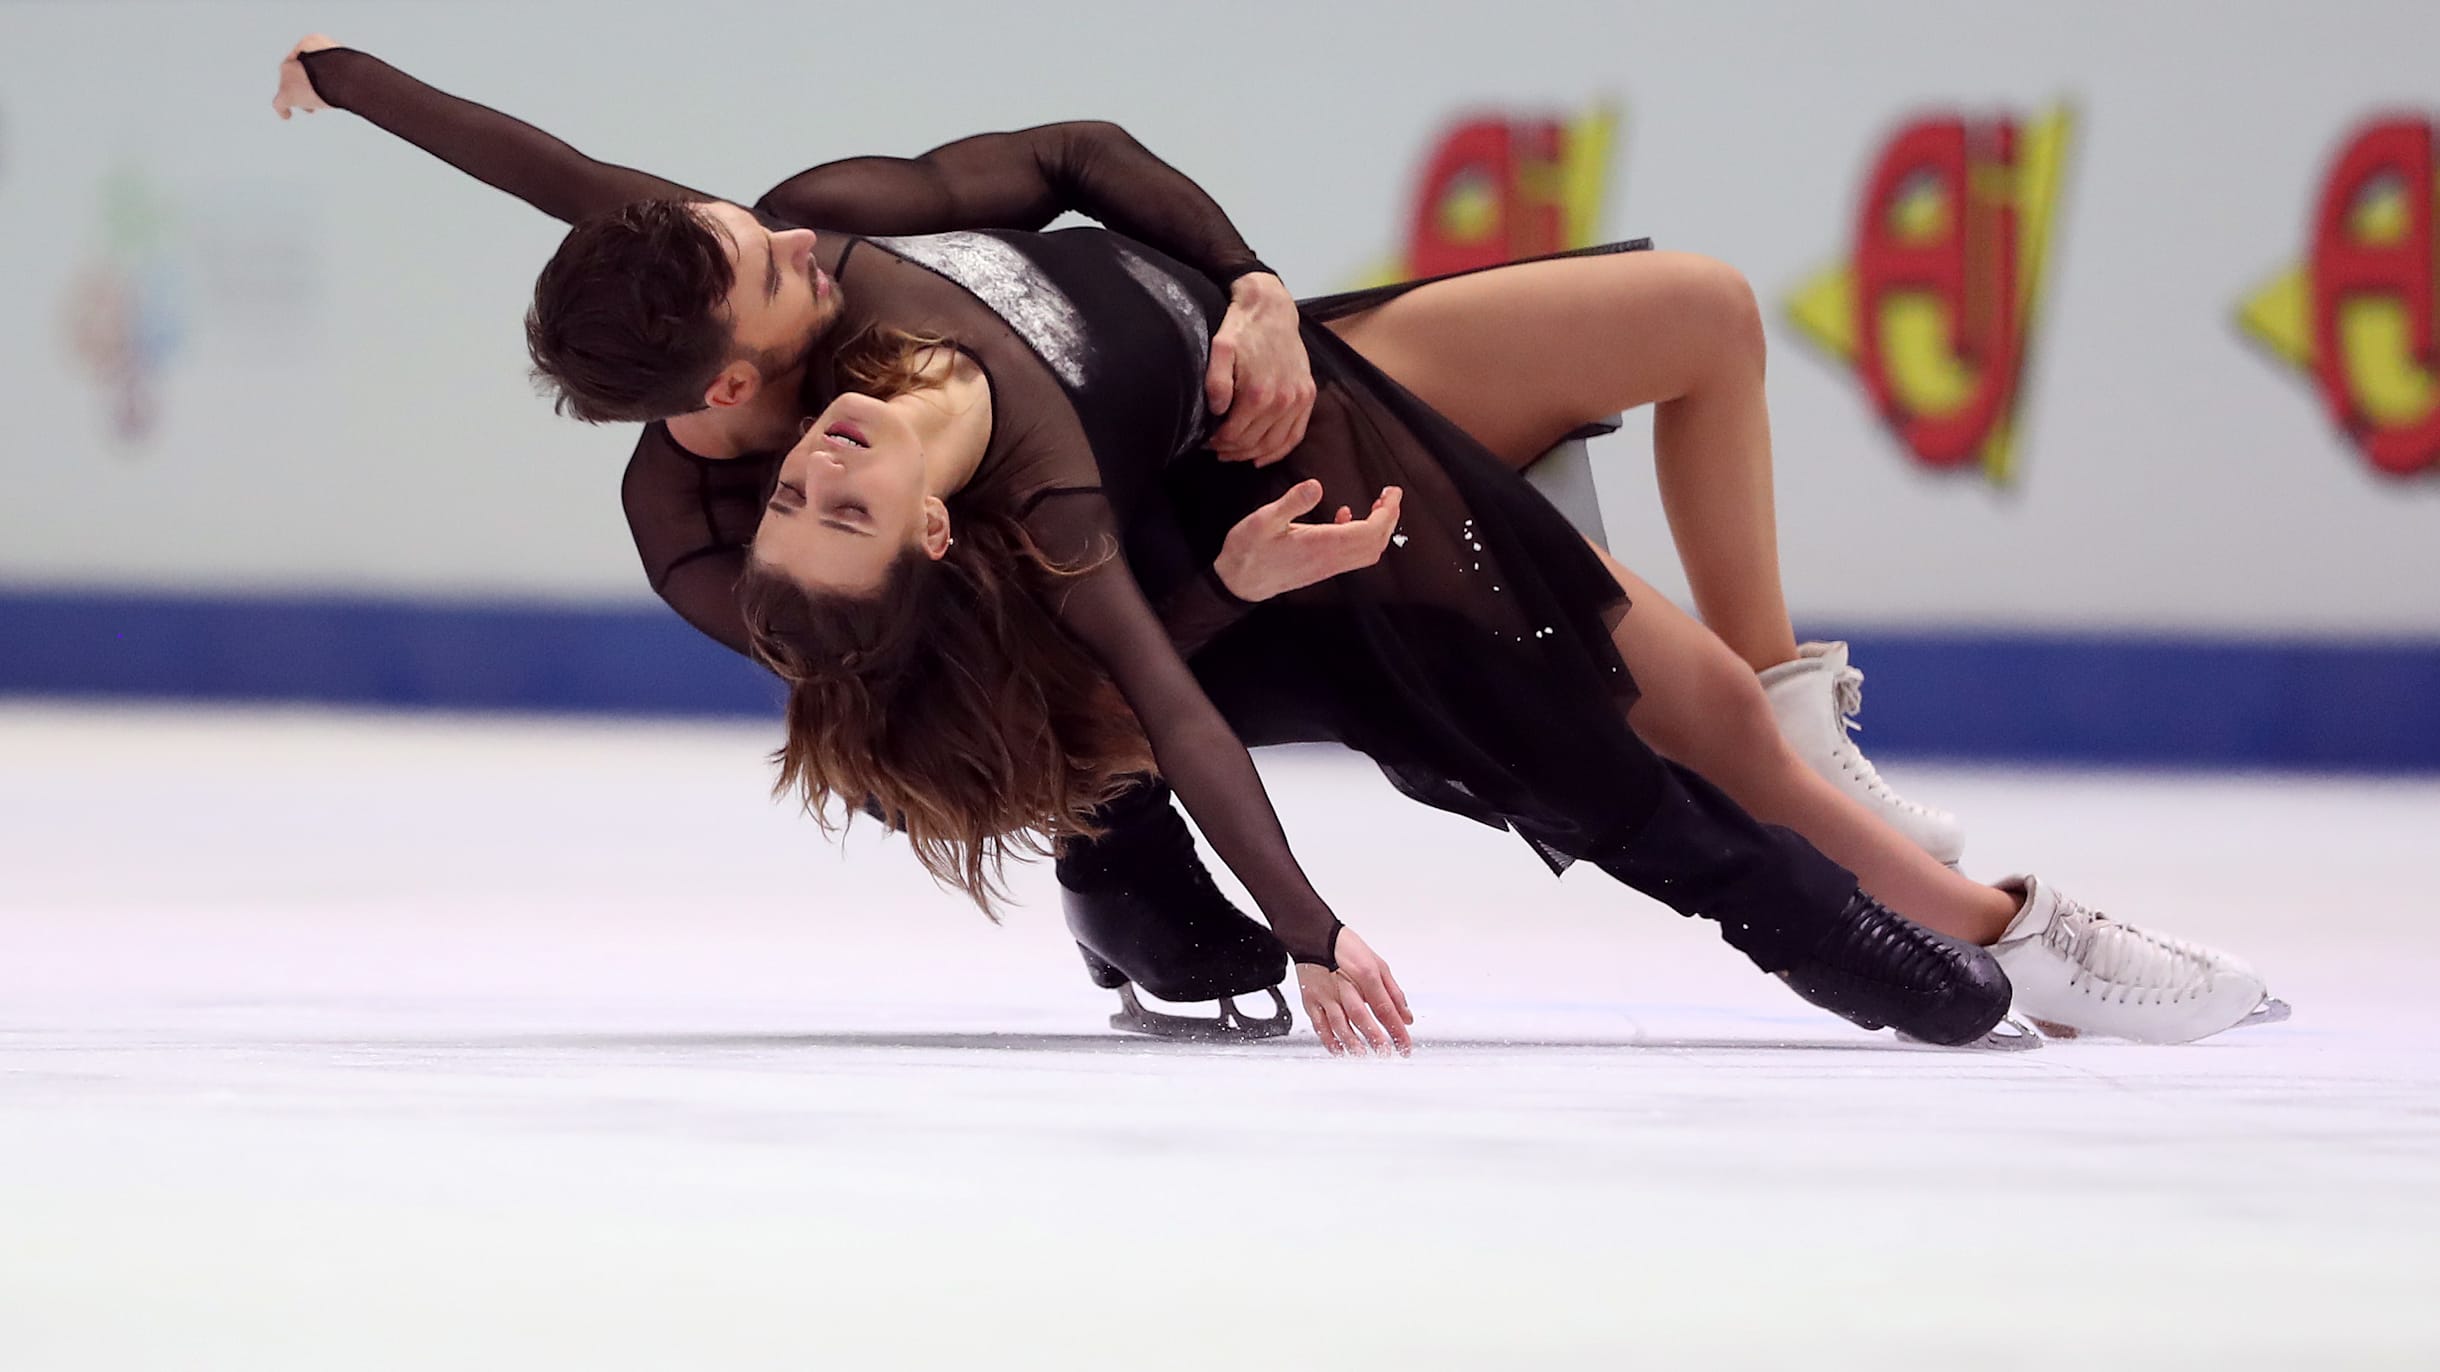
pixel 1520 356
pixel 1703 709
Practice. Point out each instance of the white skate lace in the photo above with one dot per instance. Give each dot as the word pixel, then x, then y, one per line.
pixel 2135 962
pixel 1847 698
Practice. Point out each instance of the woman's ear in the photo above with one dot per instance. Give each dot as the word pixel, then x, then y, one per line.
pixel 937 535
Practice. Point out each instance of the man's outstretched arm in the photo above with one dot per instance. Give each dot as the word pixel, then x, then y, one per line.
pixel 1259 378
pixel 492 147
pixel 1023 180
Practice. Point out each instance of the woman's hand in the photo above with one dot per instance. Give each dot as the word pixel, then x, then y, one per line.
pixel 296 88
pixel 1358 1008
pixel 1269 553
pixel 1260 376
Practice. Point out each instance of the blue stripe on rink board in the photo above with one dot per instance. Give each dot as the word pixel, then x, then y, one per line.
pixel 376 652
pixel 2362 705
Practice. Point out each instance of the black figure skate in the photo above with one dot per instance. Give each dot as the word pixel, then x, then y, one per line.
pixel 1145 913
pixel 1875 969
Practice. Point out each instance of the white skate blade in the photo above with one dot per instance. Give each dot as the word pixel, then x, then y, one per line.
pixel 2272 1010
pixel 2010 1035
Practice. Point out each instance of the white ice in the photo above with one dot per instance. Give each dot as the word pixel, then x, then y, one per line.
pixel 337 1042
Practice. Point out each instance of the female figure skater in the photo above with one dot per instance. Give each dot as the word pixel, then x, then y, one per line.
pixel 948 599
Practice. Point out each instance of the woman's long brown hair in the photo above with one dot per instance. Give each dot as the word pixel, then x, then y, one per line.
pixel 951 703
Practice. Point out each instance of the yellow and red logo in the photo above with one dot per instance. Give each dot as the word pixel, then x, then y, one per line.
pixel 2357 314
pixel 1934 307
pixel 1498 187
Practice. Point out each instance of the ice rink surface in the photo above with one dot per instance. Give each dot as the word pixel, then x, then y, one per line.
pixel 340 1043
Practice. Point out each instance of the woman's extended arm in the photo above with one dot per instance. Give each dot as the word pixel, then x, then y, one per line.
pixel 492 147
pixel 1209 768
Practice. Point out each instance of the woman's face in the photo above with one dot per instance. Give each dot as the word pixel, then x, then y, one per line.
pixel 851 501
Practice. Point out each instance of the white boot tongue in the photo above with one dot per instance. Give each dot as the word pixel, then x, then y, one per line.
pixel 2038 908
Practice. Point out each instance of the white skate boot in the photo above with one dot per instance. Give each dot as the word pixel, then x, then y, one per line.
pixel 1816 699
pixel 2077 971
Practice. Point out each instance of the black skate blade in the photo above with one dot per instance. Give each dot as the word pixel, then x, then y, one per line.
pixel 1229 1025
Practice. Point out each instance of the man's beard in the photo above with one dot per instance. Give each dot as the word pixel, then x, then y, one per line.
pixel 778 362
pixel 784 361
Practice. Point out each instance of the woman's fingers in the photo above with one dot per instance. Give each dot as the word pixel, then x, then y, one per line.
pixel 1397 998
pixel 1388 1012
pixel 1315 987
pixel 1337 1034
pixel 1360 1014
pixel 1382 524
pixel 1298 500
pixel 1357 1009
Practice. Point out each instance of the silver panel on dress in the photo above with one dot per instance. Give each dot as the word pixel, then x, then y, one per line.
pixel 1187 313
pixel 1016 290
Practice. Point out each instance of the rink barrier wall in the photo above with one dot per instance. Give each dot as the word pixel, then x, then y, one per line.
pixel 1980 694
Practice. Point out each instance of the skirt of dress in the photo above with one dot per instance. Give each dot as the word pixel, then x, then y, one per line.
pixel 1474 663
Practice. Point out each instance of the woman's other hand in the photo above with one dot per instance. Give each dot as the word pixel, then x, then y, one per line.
pixel 1269 553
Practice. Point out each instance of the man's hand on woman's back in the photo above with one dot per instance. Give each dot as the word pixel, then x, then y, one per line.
pixel 1260 376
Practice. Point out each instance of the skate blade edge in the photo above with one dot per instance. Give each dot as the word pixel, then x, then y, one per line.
pixel 2010 1035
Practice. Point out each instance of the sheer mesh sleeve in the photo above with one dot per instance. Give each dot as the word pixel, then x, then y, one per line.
pixel 691 520
pixel 702 588
pixel 1022 180
pixel 1201 610
pixel 495 149
pixel 1198 753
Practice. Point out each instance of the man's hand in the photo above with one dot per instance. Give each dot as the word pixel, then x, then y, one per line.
pixel 296 88
pixel 1269 553
pixel 1260 377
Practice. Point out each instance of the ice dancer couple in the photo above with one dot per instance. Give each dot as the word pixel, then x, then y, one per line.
pixel 1040 527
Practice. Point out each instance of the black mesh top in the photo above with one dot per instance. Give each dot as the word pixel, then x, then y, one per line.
pixel 692 516
pixel 929 269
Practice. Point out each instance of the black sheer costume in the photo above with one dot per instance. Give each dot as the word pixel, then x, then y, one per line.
pixel 694 516
pixel 1473 662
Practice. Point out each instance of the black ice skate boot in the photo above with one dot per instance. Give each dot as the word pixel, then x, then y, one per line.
pixel 1145 913
pixel 1800 916
pixel 1875 969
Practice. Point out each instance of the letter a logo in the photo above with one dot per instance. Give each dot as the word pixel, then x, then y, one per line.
pixel 1934 306
pixel 2357 315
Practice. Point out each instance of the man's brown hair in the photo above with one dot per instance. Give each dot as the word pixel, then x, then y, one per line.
pixel 628 323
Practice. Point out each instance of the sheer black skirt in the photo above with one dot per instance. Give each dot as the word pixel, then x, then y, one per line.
pixel 1474 662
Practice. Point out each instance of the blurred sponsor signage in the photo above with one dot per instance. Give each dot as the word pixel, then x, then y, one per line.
pixel 2355 316
pixel 1934 305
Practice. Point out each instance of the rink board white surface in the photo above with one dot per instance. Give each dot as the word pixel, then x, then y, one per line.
pixel 335 1043
pixel 342 404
